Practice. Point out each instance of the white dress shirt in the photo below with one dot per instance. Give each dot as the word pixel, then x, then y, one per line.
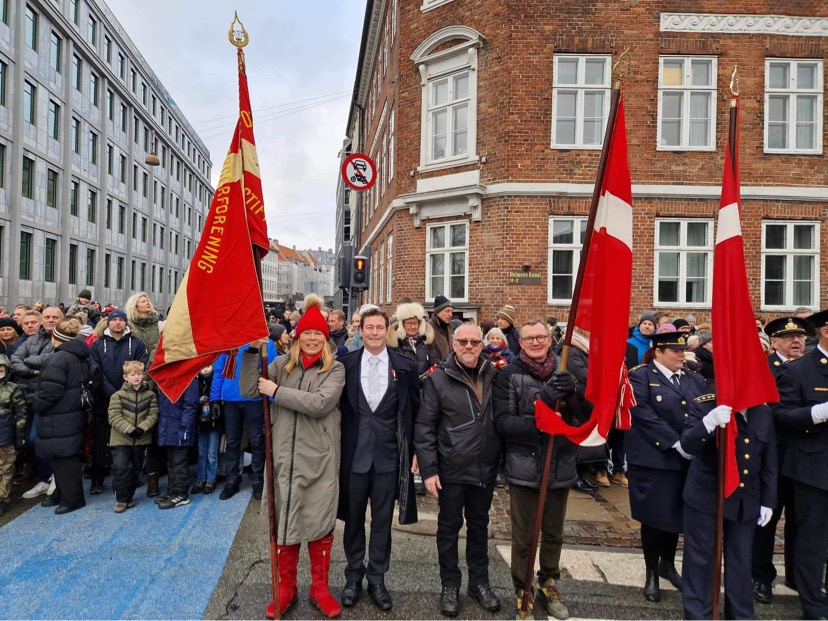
pixel 365 377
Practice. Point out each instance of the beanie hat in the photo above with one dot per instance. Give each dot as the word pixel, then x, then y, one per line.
pixel 680 323
pixel 705 336
pixel 86 293
pixel 116 314
pixel 276 331
pixel 690 318
pixel 8 322
pixel 507 313
pixel 4 361
pixel 441 302
pixel 647 316
pixel 666 327
pixel 313 319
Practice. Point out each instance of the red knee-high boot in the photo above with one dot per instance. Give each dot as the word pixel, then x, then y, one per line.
pixel 288 594
pixel 320 559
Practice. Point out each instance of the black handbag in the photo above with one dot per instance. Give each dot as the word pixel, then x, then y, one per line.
pixel 87 396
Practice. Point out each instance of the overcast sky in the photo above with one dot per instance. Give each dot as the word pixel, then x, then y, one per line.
pixel 299 52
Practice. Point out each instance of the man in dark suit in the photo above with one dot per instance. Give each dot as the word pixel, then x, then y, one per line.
pixel 751 504
pixel 803 411
pixel 379 405
pixel 787 336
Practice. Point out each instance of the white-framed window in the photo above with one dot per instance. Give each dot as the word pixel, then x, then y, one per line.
pixel 389 263
pixel 379 293
pixel 566 237
pixel 580 100
pixel 793 106
pixel 447 261
pixel 687 103
pixel 790 264
pixel 393 19
pixel 683 262
pixel 448 122
pixel 390 163
pixel 383 162
pixel 427 5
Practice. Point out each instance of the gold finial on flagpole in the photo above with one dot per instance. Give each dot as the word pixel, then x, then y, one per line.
pixel 615 71
pixel 734 81
pixel 239 38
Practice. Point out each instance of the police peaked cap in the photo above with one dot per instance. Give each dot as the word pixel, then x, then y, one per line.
pixel 786 325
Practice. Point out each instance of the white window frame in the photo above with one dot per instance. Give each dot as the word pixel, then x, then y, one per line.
pixel 390 162
pixel 793 92
pixel 389 261
pixel 434 67
pixel 446 251
pixel 789 252
pixel 580 88
pixel 575 247
pixel 683 249
pixel 379 293
pixel 428 5
pixel 687 89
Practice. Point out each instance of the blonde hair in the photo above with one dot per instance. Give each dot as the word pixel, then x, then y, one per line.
pixel 293 358
pixel 130 308
pixel 133 366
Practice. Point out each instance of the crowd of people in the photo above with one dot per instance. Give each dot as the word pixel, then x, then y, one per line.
pixel 378 409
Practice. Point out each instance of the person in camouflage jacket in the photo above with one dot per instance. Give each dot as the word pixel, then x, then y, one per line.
pixel 12 429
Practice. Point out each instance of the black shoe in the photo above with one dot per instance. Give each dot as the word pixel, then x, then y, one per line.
pixel 762 592
pixel 96 488
pixel 210 487
pixel 258 486
pixel 350 593
pixel 669 573
pixel 61 510
pixel 450 601
pixel 198 487
pixel 161 499
pixel 582 485
pixel 380 596
pixel 50 501
pixel 651 591
pixel 485 596
pixel 173 502
pixel 230 490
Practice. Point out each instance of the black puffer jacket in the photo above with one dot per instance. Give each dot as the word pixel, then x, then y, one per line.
pixel 61 420
pixel 28 360
pixel 454 435
pixel 515 393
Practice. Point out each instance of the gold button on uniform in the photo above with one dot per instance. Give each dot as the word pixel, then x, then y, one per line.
pixel 741 484
pixel 747 456
pixel 684 402
pixel 747 440
pixel 744 471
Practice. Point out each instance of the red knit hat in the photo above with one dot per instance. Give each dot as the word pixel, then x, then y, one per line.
pixel 313 319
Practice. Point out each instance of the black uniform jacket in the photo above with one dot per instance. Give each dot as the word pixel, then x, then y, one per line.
pixel 755 457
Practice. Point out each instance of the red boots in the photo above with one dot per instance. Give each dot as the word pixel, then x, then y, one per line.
pixel 288 595
pixel 320 559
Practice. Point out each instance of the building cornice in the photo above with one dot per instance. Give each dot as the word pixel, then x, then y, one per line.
pixel 732 23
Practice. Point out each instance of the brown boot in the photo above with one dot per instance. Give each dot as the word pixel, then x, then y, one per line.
pixel 152 485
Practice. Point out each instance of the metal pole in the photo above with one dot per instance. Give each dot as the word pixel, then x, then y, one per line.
pixel 573 313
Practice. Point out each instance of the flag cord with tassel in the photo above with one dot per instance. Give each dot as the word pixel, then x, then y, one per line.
pixel 573 311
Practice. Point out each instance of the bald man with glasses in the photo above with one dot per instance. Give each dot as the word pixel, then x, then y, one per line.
pixel 458 451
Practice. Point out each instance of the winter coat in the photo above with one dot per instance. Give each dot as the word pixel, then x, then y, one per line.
pixel 12 410
pixel 407 385
pixel 339 337
pixel 61 420
pixel 515 392
pixel 512 335
pixel 224 389
pixel 146 329
pixel 177 421
pixel 28 360
pixel 454 434
pixel 640 342
pixel 705 359
pixel 306 426
pixel 443 336
pixel 130 408
pixel 355 342
pixel 10 349
pixel 421 351
pixel 110 354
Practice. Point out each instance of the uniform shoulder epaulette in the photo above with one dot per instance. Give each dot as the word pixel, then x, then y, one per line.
pixel 794 359
pixel 637 367
pixel 704 398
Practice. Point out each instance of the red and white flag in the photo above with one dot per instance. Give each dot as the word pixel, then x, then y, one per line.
pixel 743 377
pixel 604 306
pixel 218 306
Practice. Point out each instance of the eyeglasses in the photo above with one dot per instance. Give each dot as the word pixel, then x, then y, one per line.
pixel 531 339
pixel 467 342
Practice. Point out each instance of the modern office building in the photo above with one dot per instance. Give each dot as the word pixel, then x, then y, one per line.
pixel 80 111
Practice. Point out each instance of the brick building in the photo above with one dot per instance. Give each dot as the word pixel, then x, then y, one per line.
pixel 486 120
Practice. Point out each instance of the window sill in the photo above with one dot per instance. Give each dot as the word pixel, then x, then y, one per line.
pixel 685 306
pixel 793 152
pixel 428 5
pixel 575 147
pixel 686 149
pixel 474 159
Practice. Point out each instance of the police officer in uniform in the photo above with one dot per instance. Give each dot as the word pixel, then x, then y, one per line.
pixel 657 462
pixel 803 412
pixel 787 336
pixel 751 504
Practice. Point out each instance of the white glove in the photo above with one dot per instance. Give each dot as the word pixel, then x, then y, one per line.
pixel 819 413
pixel 765 514
pixel 717 417
pixel 681 452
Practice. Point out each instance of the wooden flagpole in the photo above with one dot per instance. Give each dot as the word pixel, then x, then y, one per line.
pixel 573 313
pixel 240 38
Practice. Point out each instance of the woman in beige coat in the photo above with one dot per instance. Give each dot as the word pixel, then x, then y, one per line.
pixel 304 387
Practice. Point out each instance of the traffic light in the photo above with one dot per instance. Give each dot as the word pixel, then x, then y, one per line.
pixel 359 273
pixel 346 260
